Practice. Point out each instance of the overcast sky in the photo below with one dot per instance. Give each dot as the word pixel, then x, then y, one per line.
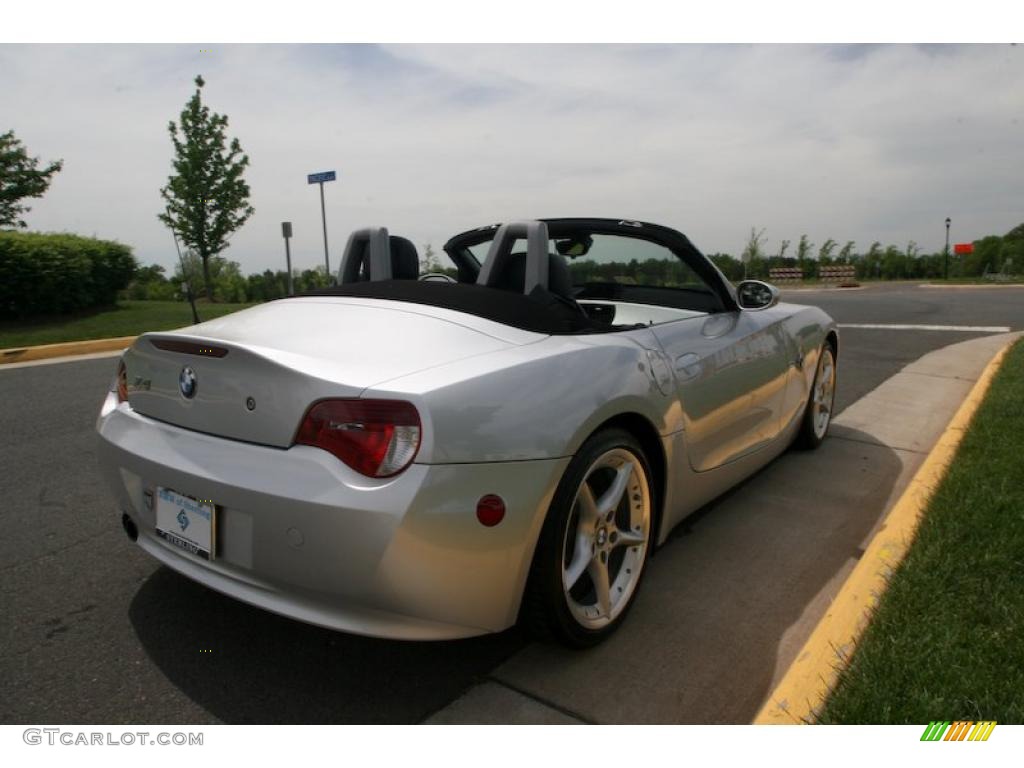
pixel 855 143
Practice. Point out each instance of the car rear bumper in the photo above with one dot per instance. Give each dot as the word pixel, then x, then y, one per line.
pixel 301 534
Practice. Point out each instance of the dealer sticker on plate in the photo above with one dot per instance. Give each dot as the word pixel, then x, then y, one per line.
pixel 186 522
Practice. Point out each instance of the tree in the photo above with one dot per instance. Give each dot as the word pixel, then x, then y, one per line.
pixel 803 248
pixel 429 263
pixel 825 252
pixel 782 249
pixel 207 198
pixel 151 283
pixel 154 273
pixel 20 177
pixel 729 266
pixel 846 252
pixel 222 279
pixel 1011 256
pixel 752 250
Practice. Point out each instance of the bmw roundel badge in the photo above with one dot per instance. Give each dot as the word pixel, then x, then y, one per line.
pixel 187 383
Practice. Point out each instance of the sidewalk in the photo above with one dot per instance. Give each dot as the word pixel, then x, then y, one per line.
pixel 735 592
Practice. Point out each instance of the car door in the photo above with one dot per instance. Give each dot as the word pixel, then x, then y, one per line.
pixel 731 371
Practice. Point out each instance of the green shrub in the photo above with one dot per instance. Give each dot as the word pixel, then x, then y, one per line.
pixel 54 274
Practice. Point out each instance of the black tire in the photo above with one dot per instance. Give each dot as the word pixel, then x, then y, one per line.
pixel 811 435
pixel 549 607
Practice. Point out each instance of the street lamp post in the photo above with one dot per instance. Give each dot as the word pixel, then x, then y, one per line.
pixel 945 257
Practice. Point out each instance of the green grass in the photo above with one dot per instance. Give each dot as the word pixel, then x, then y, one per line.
pixel 947 639
pixel 129 318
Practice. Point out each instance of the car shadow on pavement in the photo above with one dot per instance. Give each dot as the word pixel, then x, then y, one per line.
pixel 730 598
pixel 245 665
pixel 726 604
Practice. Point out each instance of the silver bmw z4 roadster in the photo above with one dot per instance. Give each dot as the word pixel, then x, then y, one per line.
pixel 432 456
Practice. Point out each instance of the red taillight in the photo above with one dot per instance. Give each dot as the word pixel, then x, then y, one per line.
pixel 378 438
pixel 122 382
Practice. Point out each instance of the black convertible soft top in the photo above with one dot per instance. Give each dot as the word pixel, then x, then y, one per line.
pixel 540 311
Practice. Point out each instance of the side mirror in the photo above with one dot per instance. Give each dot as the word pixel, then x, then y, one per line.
pixel 753 294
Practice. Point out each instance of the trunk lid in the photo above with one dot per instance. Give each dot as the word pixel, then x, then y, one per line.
pixel 256 372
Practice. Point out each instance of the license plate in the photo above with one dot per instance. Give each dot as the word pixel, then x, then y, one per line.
pixel 186 522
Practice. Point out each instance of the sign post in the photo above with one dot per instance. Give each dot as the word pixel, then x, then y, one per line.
pixel 286 231
pixel 320 178
pixel 945 253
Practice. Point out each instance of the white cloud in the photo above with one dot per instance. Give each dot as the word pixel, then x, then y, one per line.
pixel 858 143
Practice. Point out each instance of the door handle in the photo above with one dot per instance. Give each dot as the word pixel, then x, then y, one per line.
pixel 688 366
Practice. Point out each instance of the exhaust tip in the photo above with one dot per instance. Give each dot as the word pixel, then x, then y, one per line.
pixel 129 527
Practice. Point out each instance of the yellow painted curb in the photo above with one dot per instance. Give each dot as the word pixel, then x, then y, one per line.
pixel 812 676
pixel 44 351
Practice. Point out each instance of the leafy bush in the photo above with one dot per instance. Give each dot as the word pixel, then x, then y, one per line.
pixel 56 274
pixel 229 285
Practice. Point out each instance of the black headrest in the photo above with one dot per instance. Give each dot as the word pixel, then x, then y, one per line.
pixel 512 273
pixel 512 276
pixel 360 265
pixel 559 276
pixel 405 262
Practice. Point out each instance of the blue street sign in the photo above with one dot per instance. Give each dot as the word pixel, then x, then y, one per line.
pixel 318 178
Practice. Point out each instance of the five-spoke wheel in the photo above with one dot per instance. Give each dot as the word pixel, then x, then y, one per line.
pixel 818 414
pixel 595 541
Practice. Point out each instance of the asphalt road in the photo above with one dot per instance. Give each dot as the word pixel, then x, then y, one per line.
pixel 94 631
pixel 868 357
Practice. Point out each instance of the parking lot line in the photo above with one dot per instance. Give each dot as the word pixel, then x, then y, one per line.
pixel 905 327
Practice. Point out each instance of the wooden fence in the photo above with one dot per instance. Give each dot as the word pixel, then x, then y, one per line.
pixel 785 275
pixel 840 274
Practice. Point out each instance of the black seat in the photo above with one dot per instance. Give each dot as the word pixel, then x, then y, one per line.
pixel 512 275
pixel 405 261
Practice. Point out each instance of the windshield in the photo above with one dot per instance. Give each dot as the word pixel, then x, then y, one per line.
pixel 616 259
pixel 606 266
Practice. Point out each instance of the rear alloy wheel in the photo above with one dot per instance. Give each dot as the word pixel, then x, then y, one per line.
pixel 595 542
pixel 818 414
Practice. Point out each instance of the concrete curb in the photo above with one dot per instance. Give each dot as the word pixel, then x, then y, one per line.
pixel 812 676
pixel 45 351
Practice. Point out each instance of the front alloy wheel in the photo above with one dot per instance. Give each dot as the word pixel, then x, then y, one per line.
pixel 818 413
pixel 824 393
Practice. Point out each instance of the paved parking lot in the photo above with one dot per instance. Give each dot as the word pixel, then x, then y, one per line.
pixel 93 631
